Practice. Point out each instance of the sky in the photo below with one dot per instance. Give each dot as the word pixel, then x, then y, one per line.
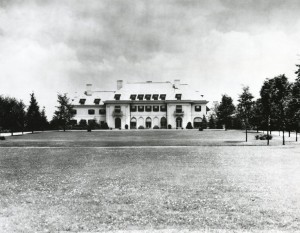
pixel 217 46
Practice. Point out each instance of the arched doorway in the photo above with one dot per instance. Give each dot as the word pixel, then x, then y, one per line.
pixel 197 122
pixel 141 122
pixel 178 122
pixel 118 122
pixel 133 123
pixel 163 123
pixel 148 123
pixel 155 122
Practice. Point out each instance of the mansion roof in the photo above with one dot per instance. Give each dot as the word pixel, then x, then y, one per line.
pixel 146 91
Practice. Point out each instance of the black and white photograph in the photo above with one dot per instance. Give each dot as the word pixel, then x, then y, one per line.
pixel 141 116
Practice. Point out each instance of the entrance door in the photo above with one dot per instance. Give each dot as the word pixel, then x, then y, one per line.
pixel 178 122
pixel 117 122
pixel 197 122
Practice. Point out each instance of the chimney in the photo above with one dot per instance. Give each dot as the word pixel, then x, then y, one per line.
pixel 119 84
pixel 176 83
pixel 88 89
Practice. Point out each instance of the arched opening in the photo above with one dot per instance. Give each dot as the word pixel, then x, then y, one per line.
pixel 148 123
pixel 163 123
pixel 141 122
pixel 178 122
pixel 155 122
pixel 118 122
pixel 197 122
pixel 133 123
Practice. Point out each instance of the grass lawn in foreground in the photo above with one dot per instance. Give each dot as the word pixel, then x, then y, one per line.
pixel 91 188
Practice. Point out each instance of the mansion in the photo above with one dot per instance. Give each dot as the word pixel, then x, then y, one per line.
pixel 141 105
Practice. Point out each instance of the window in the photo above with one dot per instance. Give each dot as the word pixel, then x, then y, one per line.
pixel 155 108
pixel 74 111
pixel 132 97
pixel 155 97
pixel 117 96
pixel 117 109
pixel 132 108
pixel 102 111
pixel 178 108
pixel 96 101
pixel 82 101
pixel 148 108
pixel 197 108
pixel 163 108
pixel 91 111
pixel 140 97
pixel 147 97
pixel 163 96
pixel 141 108
pixel 178 96
pixel 133 123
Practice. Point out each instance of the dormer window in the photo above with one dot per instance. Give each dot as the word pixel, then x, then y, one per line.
pixel 82 101
pixel 155 97
pixel 96 101
pixel 163 96
pixel 147 97
pixel 178 96
pixel 140 97
pixel 117 96
pixel 132 97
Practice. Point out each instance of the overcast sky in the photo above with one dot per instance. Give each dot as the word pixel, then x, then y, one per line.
pixel 215 45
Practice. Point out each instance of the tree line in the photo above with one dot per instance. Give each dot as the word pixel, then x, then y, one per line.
pixel 277 108
pixel 16 117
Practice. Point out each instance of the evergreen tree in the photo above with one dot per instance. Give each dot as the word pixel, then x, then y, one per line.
pixel 44 121
pixel 244 108
pixel 211 122
pixel 64 112
pixel 33 116
pixel 225 111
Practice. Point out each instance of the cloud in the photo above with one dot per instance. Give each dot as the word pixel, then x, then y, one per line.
pixel 59 46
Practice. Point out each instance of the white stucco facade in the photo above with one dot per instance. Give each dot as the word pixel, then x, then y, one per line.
pixel 142 105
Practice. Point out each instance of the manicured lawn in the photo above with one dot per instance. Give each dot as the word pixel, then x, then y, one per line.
pixel 84 183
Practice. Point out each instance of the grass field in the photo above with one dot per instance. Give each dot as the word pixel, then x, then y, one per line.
pixel 146 180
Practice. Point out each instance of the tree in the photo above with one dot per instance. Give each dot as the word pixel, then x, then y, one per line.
pixel 280 96
pixel 44 121
pixel 204 122
pixel 212 122
pixel 225 111
pixel 33 116
pixel 244 107
pixel 256 116
pixel 266 104
pixel 64 112
pixel 294 104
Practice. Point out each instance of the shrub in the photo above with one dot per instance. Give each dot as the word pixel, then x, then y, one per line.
pixel 126 126
pixel 155 127
pixel 263 137
pixel 141 127
pixel 189 125
pixel 2 138
pixel 169 126
pixel 200 128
